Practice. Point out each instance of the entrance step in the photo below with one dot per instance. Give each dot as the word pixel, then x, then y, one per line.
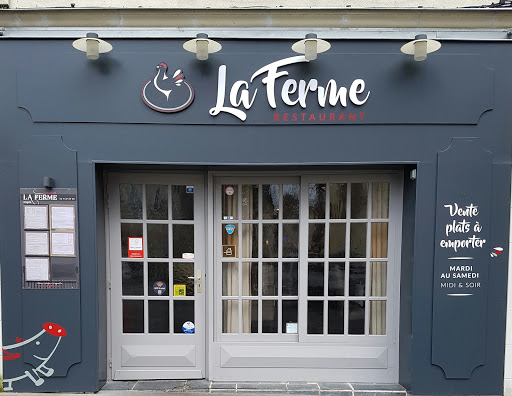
pixel 253 388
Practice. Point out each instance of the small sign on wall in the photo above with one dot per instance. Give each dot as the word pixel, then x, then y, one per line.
pixel 135 248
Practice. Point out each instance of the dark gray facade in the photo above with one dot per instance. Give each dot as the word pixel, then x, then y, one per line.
pixel 448 117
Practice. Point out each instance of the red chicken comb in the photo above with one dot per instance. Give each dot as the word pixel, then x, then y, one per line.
pixel 163 64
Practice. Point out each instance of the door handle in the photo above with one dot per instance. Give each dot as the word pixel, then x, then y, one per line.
pixel 199 280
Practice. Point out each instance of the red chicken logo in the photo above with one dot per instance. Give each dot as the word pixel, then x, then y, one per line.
pixel 165 94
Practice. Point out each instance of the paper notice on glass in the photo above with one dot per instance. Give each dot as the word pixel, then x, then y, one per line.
pixel 36 217
pixel 291 328
pixel 37 269
pixel 63 243
pixel 63 217
pixel 36 243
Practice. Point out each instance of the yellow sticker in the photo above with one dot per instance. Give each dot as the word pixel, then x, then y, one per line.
pixel 180 290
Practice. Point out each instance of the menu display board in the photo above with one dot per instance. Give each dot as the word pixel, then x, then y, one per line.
pixel 49 236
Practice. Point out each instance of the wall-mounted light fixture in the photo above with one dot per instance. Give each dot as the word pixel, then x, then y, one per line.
pixel 48 182
pixel 311 46
pixel 92 45
pixel 420 47
pixel 202 46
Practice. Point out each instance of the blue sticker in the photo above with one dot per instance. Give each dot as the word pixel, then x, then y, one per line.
pixel 188 327
pixel 230 228
pixel 190 189
pixel 159 287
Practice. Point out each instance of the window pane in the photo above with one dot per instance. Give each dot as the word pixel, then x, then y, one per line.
pixel 158 279
pixel 270 240
pixel 290 279
pixel 317 201
pixel 269 316
pixel 379 240
pixel 316 279
pixel 290 240
pixel 249 279
pixel 130 200
pixel 230 279
pixel 182 239
pixel 359 201
pixel 335 320
pixel 291 193
pixel 336 279
pixel 356 317
pixel 182 203
pixel 158 316
pixel 250 202
pixel 315 317
pixel 133 279
pixel 249 316
pixel 380 200
pixel 230 236
pixel 338 201
pixel 316 240
pixel 180 275
pixel 358 240
pixel 157 206
pixel 133 316
pixel 269 279
pixel 378 279
pixel 357 279
pixel 270 195
pixel 183 312
pixel 290 310
pixel 377 317
pixel 129 231
pixel 337 234
pixel 250 240
pixel 230 202
pixel 158 240
pixel 230 316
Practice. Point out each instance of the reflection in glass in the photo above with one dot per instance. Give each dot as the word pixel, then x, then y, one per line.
pixel 315 279
pixel 335 316
pixel 378 279
pixel 379 240
pixel 270 240
pixel 290 279
pixel 359 201
pixel 182 203
pixel 269 280
pixel 249 279
pixel 356 317
pixel 337 234
pixel 291 201
pixel 317 201
pixel 290 240
pixel 133 278
pixel 290 315
pixel 269 316
pixel 250 202
pixel 357 279
pixel 230 202
pixel 183 312
pixel 315 317
pixel 133 316
pixel 129 230
pixel 158 316
pixel 377 317
pixel 338 201
pixel 180 275
pixel 249 240
pixel 358 240
pixel 336 279
pixel 182 239
pixel 230 279
pixel 158 240
pixel 249 316
pixel 130 200
pixel 157 207
pixel 380 200
pixel 230 316
pixel 316 240
pixel 270 196
pixel 158 272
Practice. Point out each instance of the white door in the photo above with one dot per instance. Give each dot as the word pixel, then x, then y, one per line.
pixel 157 269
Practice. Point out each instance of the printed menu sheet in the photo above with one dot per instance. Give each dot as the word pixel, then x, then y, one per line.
pixel 36 217
pixel 36 243
pixel 63 243
pixel 63 217
pixel 37 269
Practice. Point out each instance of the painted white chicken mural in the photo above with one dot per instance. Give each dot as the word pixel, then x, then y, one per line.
pixel 167 94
